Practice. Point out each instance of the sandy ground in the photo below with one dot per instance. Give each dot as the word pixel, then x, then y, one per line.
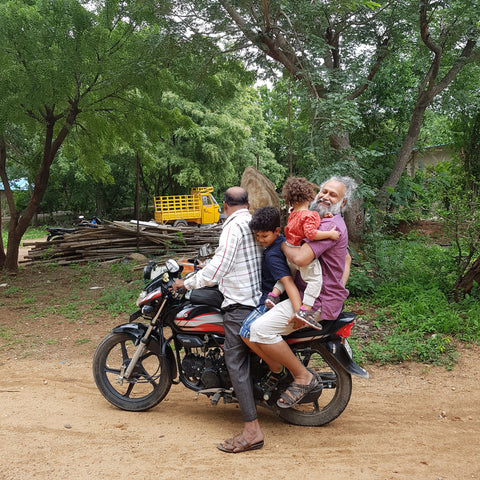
pixel 405 422
pixel 409 421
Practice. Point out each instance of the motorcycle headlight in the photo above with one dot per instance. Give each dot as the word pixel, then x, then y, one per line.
pixel 172 265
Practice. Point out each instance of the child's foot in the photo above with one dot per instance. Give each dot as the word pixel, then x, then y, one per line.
pixel 271 300
pixel 309 318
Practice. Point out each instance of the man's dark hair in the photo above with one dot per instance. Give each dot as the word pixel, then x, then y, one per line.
pixel 234 200
pixel 265 219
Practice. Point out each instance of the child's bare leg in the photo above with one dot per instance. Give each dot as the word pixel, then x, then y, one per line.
pixel 273 364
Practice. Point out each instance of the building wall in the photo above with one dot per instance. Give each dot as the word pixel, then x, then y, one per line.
pixel 429 157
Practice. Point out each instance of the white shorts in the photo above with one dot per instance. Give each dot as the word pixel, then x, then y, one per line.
pixel 269 328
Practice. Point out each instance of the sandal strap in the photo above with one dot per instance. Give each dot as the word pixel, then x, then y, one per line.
pixel 295 391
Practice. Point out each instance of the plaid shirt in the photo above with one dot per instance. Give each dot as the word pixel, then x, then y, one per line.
pixel 236 265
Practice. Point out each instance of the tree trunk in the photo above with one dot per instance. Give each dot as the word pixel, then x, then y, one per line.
pixel 2 249
pixel 464 284
pixel 355 220
pixel 13 247
pixel 19 224
pixel 403 157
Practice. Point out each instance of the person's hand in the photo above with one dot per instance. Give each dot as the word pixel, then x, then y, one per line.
pixel 177 284
pixel 334 234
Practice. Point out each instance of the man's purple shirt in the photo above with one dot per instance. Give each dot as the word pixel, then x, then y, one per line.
pixel 331 254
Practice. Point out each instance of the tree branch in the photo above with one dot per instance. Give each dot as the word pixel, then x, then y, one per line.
pixel 469 55
pixel 382 53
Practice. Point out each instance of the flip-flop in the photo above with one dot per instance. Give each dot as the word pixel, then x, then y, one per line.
pixel 239 446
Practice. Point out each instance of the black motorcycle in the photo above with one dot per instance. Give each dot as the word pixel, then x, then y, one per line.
pixel 57 233
pixel 180 340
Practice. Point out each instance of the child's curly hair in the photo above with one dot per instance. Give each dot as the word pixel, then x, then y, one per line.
pixel 265 219
pixel 298 190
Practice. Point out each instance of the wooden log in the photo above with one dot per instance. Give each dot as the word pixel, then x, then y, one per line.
pixel 115 240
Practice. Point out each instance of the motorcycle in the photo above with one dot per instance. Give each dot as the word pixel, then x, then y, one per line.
pixel 59 232
pixel 180 338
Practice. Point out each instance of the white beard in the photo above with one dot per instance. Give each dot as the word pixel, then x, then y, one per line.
pixel 334 209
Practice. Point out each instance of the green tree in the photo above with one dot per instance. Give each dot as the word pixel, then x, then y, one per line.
pixel 448 41
pixel 65 69
pixel 336 50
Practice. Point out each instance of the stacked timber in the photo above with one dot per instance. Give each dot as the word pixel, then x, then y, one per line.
pixel 114 241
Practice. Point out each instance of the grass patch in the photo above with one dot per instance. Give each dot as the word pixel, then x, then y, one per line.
pixel 12 290
pixel 29 300
pixel 409 312
pixel 120 300
pixel 32 233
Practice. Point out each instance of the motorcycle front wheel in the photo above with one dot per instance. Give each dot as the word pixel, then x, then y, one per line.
pixel 335 395
pixel 148 384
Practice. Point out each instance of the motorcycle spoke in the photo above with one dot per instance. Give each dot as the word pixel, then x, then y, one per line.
pixel 143 373
pixel 116 371
pixel 123 348
pixel 129 390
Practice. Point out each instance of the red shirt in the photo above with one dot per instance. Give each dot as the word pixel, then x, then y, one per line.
pixel 302 224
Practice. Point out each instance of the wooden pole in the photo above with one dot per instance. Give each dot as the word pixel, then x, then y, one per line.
pixel 137 201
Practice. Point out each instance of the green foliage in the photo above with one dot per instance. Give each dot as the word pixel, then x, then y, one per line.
pixel 361 282
pixel 143 89
pixel 403 346
pixel 117 302
pixel 448 192
pixel 408 294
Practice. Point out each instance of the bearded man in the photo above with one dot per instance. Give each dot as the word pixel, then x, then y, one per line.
pixel 267 331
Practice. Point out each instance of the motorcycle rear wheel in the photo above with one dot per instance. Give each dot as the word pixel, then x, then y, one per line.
pixel 147 386
pixel 337 389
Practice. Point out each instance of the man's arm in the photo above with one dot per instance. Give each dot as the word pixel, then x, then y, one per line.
pixel 301 257
pixel 346 272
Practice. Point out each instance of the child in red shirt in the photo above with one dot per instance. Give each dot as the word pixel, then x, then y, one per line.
pixel 298 193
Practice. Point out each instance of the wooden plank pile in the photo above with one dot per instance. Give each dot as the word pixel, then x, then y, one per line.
pixel 113 241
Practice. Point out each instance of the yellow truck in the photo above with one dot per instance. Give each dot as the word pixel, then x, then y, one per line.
pixel 200 207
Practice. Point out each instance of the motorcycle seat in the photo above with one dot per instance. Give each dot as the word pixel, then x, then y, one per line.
pixel 206 296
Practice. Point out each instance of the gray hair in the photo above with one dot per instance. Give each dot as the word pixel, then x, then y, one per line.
pixel 350 187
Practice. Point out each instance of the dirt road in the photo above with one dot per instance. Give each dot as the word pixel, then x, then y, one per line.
pixel 406 422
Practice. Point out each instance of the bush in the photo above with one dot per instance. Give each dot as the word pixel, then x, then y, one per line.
pixel 411 312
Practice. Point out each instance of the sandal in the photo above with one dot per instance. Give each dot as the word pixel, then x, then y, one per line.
pixel 295 393
pixel 238 445
pixel 271 300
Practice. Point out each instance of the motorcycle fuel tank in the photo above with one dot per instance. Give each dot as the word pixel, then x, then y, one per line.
pixel 200 319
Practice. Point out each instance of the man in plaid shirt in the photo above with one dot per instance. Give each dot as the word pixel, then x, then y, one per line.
pixel 236 269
